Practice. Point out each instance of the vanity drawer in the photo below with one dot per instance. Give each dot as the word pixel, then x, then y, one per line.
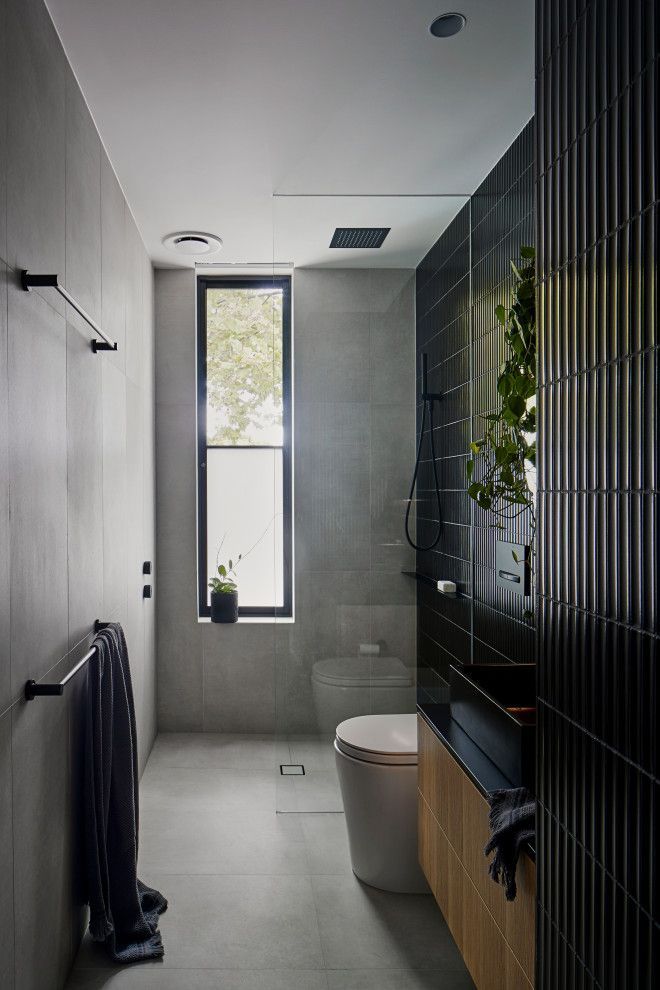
pixel 440 782
pixel 488 957
pixel 496 937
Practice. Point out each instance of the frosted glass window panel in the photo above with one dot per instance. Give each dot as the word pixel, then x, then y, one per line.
pixel 245 515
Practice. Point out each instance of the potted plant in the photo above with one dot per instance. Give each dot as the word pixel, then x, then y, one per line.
pixel 224 593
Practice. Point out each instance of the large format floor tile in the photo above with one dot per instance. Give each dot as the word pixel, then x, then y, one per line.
pixel 313 791
pixel 215 922
pixel 234 794
pixel 398 979
pixel 205 842
pixel 365 928
pixel 260 900
pixel 326 842
pixel 314 752
pixel 157 978
pixel 212 750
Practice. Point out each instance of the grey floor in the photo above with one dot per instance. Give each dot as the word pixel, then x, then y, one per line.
pixel 257 872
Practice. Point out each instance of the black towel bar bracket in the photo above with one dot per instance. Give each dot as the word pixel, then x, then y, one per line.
pixel 29 281
pixel 34 690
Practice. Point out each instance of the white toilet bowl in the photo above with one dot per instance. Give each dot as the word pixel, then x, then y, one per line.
pixel 376 758
pixel 344 687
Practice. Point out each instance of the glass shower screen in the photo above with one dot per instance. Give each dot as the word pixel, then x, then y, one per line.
pixel 350 647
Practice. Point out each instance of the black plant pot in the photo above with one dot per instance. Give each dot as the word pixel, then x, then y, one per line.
pixel 224 606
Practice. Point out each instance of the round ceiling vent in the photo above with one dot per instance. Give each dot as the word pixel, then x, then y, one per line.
pixel 192 242
pixel 447 25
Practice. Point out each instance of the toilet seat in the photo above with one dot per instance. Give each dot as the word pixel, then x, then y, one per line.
pixel 388 740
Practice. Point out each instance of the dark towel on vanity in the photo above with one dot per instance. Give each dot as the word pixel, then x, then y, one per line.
pixel 511 820
pixel 123 911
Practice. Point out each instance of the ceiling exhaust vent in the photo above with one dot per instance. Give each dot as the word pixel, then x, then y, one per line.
pixel 359 237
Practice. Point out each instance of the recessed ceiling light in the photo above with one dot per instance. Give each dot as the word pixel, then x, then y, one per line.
pixel 447 25
pixel 193 242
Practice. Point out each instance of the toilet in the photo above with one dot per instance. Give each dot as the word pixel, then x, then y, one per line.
pixel 343 687
pixel 376 757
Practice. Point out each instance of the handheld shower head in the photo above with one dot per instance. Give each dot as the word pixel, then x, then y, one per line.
pixel 425 380
pixel 428 398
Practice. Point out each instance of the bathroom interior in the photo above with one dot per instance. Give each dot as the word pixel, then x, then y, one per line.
pixel 328 439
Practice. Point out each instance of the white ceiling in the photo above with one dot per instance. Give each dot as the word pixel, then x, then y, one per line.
pixel 209 107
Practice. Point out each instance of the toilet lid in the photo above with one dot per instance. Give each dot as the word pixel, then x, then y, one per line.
pixel 387 739
pixel 363 672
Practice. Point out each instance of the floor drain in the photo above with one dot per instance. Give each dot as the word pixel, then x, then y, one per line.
pixel 292 769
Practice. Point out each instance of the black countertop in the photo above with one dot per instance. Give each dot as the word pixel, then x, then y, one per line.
pixel 483 773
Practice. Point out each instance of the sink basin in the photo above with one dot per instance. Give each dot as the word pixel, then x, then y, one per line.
pixel 495 704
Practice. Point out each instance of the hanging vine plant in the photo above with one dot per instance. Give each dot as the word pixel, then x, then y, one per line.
pixel 506 454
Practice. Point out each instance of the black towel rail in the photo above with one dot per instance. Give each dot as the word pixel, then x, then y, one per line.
pixel 29 281
pixel 33 689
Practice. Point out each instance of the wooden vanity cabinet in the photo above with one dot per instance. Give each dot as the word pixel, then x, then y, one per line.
pixel 496 937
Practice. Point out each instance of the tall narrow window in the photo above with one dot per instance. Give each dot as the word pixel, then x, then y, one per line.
pixel 244 448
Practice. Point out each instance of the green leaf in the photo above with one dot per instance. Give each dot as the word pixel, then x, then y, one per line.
pixel 222 570
pixel 474 491
pixel 500 313
pixel 504 384
pixel 469 469
pixel 516 404
pixel 526 251
pixel 475 447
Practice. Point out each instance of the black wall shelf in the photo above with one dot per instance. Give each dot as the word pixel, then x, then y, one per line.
pixel 425 579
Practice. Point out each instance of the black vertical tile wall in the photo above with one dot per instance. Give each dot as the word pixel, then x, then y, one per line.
pixel 597 232
pixel 459 283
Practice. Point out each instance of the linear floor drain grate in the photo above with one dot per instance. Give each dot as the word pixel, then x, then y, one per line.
pixel 292 770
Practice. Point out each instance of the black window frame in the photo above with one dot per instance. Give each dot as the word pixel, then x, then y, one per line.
pixel 241 282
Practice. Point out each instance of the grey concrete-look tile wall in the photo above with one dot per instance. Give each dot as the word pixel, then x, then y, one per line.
pixel 4 80
pixel 353 448
pixel 6 857
pixel 353 452
pixel 133 279
pixel 178 633
pixel 83 202
pixel 146 717
pixel 5 674
pixel 42 846
pixel 114 492
pixel 38 484
pixel 36 139
pixel 113 261
pixel 76 479
pixel 84 484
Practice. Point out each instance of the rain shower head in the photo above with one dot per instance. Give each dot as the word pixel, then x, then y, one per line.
pixel 359 237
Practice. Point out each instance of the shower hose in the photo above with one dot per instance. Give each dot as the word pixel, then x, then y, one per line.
pixel 430 546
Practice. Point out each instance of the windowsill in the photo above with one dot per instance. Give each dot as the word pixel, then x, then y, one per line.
pixel 259 620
